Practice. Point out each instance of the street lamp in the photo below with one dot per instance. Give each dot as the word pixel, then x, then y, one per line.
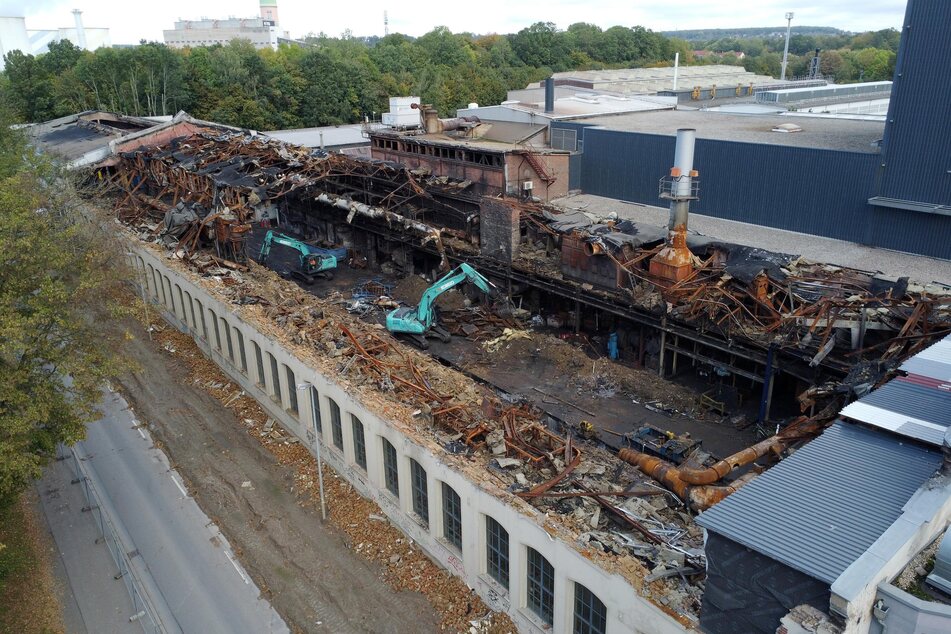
pixel 789 17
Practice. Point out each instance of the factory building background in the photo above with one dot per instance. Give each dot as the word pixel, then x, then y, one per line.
pixel 899 198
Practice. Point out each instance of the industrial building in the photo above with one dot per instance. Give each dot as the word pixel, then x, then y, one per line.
pixel 882 184
pixel 14 36
pixel 262 32
pixel 641 429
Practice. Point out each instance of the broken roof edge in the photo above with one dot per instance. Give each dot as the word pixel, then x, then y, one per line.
pixel 627 566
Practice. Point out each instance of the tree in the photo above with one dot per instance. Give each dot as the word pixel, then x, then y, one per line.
pixel 57 279
pixel 541 45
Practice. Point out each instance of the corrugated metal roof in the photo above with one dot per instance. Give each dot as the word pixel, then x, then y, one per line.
pixel 933 362
pixel 820 509
pixel 917 405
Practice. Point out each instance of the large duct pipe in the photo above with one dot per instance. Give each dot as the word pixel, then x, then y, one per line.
pixel 549 95
pixel 723 468
pixel 699 498
pixel 80 31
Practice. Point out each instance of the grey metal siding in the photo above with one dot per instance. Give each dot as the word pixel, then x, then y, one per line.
pixel 799 189
pixel 576 160
pixel 802 512
pixel 917 144
pixel 815 191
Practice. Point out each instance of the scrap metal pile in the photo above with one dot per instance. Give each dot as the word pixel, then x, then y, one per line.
pixel 818 313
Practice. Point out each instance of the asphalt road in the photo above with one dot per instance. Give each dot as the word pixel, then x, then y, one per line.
pixel 189 568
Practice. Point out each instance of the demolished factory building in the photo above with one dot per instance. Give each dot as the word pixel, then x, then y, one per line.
pixel 552 517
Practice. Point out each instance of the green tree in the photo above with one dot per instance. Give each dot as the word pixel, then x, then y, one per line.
pixel 541 45
pixel 57 279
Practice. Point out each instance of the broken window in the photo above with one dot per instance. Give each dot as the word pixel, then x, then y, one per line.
pixel 291 390
pixel 181 303
pixel 204 326
pixel 259 362
pixel 391 474
pixel 359 443
pixel 227 330
pixel 315 410
pixel 591 616
pixel 191 309
pixel 336 427
pixel 451 516
pixel 541 586
pixel 420 490
pixel 275 378
pixel 214 320
pixel 497 551
pixel 241 353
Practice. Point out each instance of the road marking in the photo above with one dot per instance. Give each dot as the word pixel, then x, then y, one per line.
pixel 235 564
pixel 180 487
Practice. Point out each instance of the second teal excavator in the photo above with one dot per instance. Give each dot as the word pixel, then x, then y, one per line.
pixel 313 261
pixel 417 323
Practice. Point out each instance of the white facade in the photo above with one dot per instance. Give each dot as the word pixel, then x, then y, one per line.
pixel 223 335
pixel 13 37
pixel 40 40
pixel 261 33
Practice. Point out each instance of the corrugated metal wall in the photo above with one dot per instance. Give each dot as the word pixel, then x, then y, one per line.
pixel 917 145
pixel 815 191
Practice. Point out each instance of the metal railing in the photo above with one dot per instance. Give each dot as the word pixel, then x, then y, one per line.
pixel 142 612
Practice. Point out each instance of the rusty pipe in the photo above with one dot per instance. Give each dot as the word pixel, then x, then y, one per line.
pixel 721 469
pixel 699 498
pixel 593 248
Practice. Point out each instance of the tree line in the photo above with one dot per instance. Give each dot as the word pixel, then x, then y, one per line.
pixel 337 80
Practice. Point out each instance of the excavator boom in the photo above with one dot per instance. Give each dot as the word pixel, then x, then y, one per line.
pixel 312 261
pixel 421 320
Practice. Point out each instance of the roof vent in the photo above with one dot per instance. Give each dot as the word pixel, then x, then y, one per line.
pixel 787 127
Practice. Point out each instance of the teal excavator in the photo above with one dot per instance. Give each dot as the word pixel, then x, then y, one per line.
pixel 417 323
pixel 313 261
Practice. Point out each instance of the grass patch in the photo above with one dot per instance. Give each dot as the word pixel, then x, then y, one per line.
pixel 28 603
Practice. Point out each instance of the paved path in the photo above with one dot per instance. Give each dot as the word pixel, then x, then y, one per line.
pixel 186 565
pixel 93 601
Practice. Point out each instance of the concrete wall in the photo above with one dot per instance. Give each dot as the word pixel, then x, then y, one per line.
pixel 906 613
pixel 925 517
pixel 183 304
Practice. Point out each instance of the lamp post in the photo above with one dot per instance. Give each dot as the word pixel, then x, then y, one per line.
pixel 789 17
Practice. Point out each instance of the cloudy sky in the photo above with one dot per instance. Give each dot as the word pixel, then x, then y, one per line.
pixel 131 20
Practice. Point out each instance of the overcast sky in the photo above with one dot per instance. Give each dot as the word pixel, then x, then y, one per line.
pixel 131 20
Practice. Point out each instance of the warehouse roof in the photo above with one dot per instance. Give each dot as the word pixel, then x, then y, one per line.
pixel 820 509
pixel 917 405
pixel 817 132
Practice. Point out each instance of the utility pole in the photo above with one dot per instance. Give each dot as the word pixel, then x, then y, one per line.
pixel 789 17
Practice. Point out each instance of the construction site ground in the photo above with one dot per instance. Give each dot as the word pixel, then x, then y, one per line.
pixel 310 570
pixel 818 249
pixel 570 381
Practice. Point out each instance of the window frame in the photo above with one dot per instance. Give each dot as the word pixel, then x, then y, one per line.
pixel 540 586
pixel 293 405
pixel 391 468
pixel 451 516
pixel 419 490
pixel 336 424
pixel 359 442
pixel 587 617
pixel 315 417
pixel 497 552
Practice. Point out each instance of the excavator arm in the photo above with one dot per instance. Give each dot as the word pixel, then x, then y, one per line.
pixel 421 320
pixel 312 261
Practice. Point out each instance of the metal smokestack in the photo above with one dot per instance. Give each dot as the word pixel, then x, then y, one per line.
pixel 682 179
pixel 550 95
pixel 80 31
pixel 676 68
pixel 675 261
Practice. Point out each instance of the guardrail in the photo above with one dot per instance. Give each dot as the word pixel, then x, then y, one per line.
pixel 143 611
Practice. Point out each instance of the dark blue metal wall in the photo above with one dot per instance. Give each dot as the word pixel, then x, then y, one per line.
pixel 815 191
pixel 916 153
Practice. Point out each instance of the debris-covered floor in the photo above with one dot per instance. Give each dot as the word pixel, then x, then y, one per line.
pixel 494 401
